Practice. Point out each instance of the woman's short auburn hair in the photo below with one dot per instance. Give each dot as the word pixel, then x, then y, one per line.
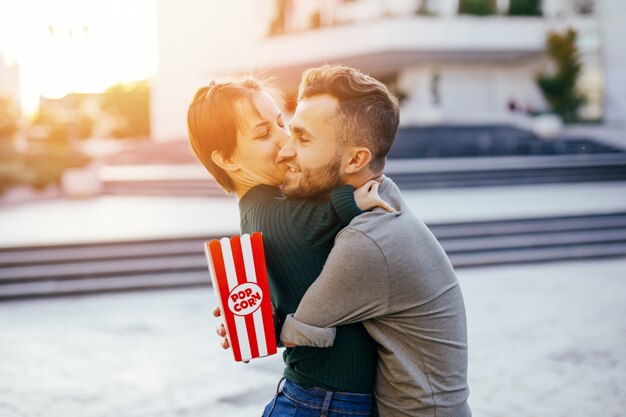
pixel 214 118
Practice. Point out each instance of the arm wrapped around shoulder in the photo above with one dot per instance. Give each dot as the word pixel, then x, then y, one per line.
pixel 301 334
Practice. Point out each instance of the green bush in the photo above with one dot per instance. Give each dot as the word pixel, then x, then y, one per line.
pixel 49 150
pixel 41 166
pixel 477 7
pixel 129 104
pixel 525 7
pixel 8 118
pixel 559 88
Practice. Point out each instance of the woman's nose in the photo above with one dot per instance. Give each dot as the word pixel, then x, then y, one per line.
pixel 287 150
pixel 283 137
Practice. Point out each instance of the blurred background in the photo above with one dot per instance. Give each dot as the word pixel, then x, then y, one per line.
pixel 511 148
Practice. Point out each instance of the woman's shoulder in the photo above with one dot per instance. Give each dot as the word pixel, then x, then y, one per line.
pixel 259 194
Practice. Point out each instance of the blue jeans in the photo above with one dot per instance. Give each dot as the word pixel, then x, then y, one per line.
pixel 296 401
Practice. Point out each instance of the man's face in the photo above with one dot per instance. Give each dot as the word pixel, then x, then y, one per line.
pixel 312 151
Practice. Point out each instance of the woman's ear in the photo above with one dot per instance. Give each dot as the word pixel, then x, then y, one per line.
pixel 227 164
pixel 359 158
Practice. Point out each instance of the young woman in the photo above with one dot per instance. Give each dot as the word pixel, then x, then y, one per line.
pixel 236 130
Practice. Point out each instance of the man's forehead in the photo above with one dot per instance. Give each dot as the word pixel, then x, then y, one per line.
pixel 317 107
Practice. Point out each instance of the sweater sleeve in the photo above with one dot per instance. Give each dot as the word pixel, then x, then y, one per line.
pixel 353 286
pixel 344 205
pixel 317 222
pixel 320 221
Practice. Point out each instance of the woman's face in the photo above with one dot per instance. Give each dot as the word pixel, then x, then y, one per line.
pixel 262 133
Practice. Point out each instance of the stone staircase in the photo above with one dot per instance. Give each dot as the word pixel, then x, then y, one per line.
pixel 44 271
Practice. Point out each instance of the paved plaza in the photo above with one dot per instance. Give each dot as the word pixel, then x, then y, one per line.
pixel 545 340
pixel 116 218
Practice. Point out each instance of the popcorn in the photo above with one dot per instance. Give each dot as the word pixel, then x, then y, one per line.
pixel 239 276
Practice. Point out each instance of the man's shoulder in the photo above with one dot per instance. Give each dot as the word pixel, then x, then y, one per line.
pixel 379 224
pixel 369 227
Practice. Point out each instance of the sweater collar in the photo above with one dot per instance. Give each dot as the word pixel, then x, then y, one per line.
pixel 257 193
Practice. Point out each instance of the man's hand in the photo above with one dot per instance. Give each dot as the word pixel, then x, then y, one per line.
pixel 367 197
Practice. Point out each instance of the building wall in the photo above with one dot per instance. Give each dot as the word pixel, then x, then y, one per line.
pixel 613 14
pixel 196 38
pixel 468 93
pixel 483 63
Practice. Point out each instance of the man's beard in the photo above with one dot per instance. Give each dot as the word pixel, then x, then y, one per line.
pixel 316 182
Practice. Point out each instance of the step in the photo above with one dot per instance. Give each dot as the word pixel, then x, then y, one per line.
pixel 522 226
pixel 98 251
pixel 477 259
pixel 110 266
pixel 104 268
pixel 506 163
pixel 99 285
pixel 534 240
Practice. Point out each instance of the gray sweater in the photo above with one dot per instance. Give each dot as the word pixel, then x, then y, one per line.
pixel 388 271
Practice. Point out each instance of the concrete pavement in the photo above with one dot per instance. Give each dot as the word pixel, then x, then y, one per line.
pixel 115 218
pixel 545 340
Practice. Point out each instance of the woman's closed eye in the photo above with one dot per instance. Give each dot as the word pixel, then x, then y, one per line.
pixel 264 135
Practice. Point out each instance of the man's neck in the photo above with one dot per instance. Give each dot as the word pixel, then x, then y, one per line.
pixel 357 180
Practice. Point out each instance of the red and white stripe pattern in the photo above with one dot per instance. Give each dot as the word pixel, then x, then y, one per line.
pixel 239 263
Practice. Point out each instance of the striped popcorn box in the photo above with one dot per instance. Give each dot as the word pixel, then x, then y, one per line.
pixel 239 277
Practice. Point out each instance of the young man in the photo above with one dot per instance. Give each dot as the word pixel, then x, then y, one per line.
pixel 385 269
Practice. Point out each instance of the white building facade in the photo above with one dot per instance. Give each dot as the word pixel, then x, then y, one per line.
pixel 449 67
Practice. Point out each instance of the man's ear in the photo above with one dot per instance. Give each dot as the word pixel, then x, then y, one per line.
pixel 359 158
pixel 227 164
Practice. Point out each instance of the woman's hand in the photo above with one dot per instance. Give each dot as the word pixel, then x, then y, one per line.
pixel 221 330
pixel 367 197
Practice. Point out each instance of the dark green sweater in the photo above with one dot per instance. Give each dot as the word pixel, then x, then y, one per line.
pixel 298 235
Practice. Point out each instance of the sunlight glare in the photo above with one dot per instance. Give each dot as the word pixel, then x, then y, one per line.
pixel 64 46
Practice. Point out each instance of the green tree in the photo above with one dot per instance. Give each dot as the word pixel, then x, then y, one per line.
pixel 129 104
pixel 559 88
pixel 81 125
pixel 54 131
pixel 525 7
pixel 84 126
pixel 477 7
pixel 8 127
pixel 9 117
pixel 50 151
